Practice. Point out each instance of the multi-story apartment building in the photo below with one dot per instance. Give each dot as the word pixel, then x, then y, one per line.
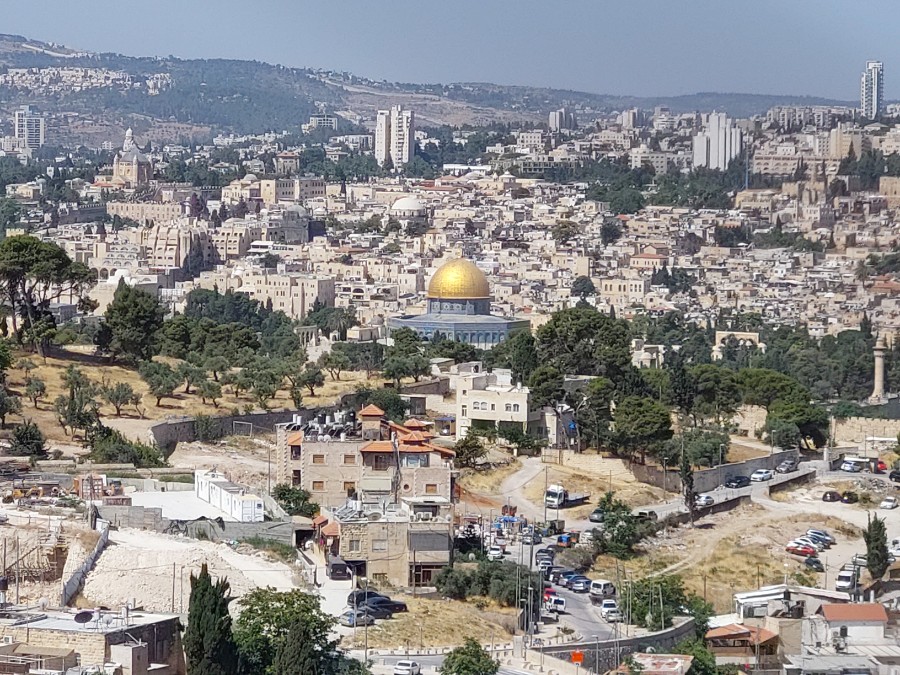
pixel 386 496
pixel 30 128
pixel 871 90
pixel 323 121
pixel 494 400
pixel 395 136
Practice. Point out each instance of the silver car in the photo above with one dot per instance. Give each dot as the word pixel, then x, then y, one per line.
pixel 580 584
pixel 407 668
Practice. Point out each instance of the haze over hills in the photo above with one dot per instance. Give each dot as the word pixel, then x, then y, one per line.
pixel 169 98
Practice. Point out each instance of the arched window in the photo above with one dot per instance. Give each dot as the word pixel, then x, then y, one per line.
pixel 515 407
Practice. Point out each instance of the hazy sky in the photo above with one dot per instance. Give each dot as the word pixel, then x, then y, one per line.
pixel 642 47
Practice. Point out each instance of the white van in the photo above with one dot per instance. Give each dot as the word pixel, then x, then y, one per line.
pixel 602 588
pixel 846 580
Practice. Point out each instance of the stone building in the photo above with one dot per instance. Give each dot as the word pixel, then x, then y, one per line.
pixel 131 167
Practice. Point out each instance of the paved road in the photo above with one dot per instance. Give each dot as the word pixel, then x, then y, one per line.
pixel 385 665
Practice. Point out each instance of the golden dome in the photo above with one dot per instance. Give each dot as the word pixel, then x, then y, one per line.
pixel 459 279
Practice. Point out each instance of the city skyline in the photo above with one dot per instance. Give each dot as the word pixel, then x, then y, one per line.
pixel 683 50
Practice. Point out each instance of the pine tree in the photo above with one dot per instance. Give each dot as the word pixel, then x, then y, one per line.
pixel 208 645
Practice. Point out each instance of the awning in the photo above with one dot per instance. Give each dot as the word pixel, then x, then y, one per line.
pixel 319 520
pixel 331 530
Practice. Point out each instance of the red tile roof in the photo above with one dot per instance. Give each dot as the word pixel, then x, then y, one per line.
pixel 736 631
pixel 371 411
pixel 319 520
pixel 415 424
pixel 870 611
pixel 331 530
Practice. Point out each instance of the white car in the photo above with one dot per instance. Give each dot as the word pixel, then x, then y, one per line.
pixel 495 553
pixel 704 500
pixel 407 668
pixel 889 503
pixel 761 475
pixel 608 606
pixel 808 541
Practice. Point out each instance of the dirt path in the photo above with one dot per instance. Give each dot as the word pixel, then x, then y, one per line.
pixel 513 488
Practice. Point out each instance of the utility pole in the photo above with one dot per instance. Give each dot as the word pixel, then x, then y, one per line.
pixel 546 485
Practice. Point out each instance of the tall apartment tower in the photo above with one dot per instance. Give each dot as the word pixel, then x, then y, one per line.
pixel 395 136
pixel 30 128
pixel 562 119
pixel 718 143
pixel 871 90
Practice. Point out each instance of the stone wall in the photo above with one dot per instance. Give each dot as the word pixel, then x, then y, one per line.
pixel 168 433
pixel 854 430
pixel 74 578
pixel 144 518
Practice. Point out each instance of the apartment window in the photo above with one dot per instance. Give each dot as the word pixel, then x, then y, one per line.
pixel 295 477
pixel 493 407
pixel 431 488
pixel 381 462
pixel 318 459
pixel 349 459
pixel 318 486
pixel 379 544
pixel 349 487
pixel 508 407
pixel 515 407
pixel 353 546
pixel 465 412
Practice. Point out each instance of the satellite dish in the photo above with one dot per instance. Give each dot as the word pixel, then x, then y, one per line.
pixel 84 617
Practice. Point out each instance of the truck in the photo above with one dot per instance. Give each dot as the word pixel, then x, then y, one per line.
pixel 557 497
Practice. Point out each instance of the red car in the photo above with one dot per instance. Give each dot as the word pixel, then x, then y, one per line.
pixel 797 549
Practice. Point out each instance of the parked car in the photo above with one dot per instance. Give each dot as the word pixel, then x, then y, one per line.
pixel 894 476
pixel 846 580
pixel 359 597
pixel 566 578
pixel 849 497
pixel 880 466
pixel 795 548
pixel 761 475
pixel 557 572
pixel 809 541
pixel 355 617
pixel 495 553
pixel 787 466
pixel 555 604
pixel 544 564
pixel 596 515
pixel 888 503
pixel 859 559
pixel 602 588
pixel 532 538
pixel 820 542
pixel 737 482
pixel 814 563
pixel 580 584
pixel 704 500
pixel 376 611
pixel 407 668
pixel 387 603
pixel 851 467
pixel 821 534
pixel 614 616
pixel 608 606
pixel 831 496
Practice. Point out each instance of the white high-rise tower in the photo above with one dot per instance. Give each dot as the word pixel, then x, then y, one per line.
pixel 718 143
pixel 30 127
pixel 395 136
pixel 871 90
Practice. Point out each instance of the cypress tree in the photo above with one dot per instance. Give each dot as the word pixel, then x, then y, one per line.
pixel 299 654
pixel 875 537
pixel 208 645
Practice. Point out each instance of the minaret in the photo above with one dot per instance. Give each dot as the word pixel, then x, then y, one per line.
pixel 878 390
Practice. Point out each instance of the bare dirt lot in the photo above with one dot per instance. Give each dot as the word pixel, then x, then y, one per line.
pixel 154 570
pixel 243 459
pixel 437 623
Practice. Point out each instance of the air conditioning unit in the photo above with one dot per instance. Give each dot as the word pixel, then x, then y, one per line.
pixel 8 639
pixel 424 515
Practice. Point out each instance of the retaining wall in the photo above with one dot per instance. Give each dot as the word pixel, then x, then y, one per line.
pixel 793 482
pixel 168 433
pixel 605 652
pixel 72 585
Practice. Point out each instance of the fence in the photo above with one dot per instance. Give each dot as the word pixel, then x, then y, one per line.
pixel 72 585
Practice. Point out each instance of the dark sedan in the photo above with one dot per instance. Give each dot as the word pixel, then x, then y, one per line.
pixel 831 496
pixel 359 597
pixel 894 476
pixel 849 497
pixel 387 603
pixel 737 482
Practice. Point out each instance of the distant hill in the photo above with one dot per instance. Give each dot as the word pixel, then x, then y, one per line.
pixel 204 96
